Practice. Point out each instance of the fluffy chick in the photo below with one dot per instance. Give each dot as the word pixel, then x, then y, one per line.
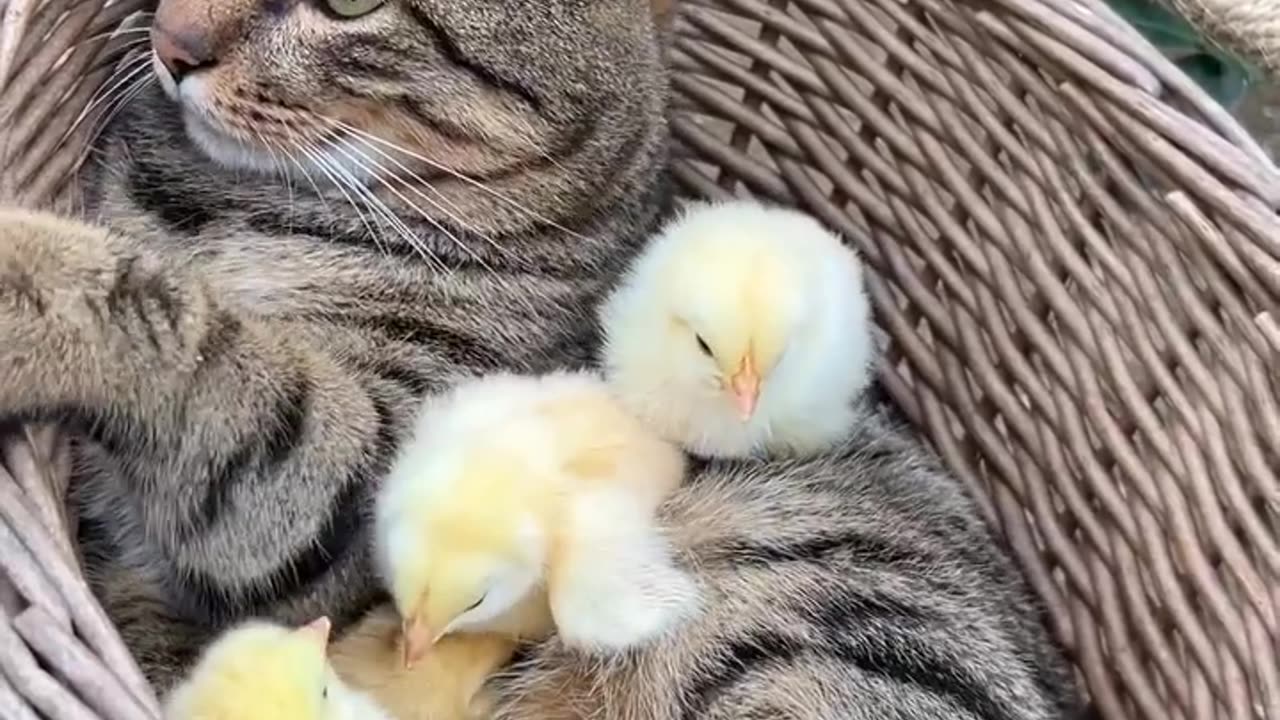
pixel 447 684
pixel 264 671
pixel 523 504
pixel 742 329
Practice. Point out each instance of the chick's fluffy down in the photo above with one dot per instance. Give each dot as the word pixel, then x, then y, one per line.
pixel 725 282
pixel 263 671
pixel 547 425
pixel 517 493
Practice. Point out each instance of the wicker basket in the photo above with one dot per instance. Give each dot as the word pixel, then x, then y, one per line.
pixel 1074 250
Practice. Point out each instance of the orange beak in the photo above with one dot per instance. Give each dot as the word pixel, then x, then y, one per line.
pixel 418 638
pixel 745 384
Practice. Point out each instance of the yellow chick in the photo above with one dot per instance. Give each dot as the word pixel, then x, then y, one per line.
pixel 523 504
pixel 264 671
pixel 446 684
pixel 741 330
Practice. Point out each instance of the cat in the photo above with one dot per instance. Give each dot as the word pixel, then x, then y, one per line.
pixel 265 282
pixel 242 347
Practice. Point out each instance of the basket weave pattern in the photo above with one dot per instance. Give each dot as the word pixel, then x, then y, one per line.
pixel 1073 249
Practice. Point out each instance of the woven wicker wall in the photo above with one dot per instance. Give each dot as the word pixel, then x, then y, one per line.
pixel 1075 253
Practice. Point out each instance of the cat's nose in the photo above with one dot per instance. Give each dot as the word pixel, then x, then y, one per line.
pixel 189 35
pixel 181 52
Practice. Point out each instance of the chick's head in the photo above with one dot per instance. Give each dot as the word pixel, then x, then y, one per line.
pixel 461 547
pixel 698 331
pixel 262 670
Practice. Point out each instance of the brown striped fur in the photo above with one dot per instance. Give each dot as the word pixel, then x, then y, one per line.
pixel 241 347
pixel 240 339
pixel 859 585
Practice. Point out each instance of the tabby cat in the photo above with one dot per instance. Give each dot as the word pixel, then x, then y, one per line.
pixel 324 209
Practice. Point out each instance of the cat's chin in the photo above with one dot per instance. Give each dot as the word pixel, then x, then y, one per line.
pixel 228 151
pixel 218 143
pixel 232 153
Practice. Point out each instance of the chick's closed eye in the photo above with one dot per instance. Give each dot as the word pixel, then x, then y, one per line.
pixel 774 300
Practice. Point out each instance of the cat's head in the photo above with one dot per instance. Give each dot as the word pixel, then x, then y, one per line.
pixel 536 95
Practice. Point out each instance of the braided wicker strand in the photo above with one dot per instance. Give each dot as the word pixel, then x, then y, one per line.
pixel 58 651
pixel 1074 338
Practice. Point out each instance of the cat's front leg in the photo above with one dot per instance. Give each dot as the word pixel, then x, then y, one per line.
pixel 87 324
pixel 248 443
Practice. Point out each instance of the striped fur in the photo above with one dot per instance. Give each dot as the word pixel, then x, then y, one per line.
pixel 859 585
pixel 242 349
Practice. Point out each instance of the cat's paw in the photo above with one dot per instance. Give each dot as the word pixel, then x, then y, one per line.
pixel 58 281
pixel 46 260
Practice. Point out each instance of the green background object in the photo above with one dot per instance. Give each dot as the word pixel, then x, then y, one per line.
pixel 1221 75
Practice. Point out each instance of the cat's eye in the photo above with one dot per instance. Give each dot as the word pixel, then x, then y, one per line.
pixel 476 604
pixel 703 346
pixel 352 8
pixel 325 692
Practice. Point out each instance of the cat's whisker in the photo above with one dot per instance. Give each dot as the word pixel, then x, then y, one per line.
pixel 348 184
pixel 117 86
pixel 284 161
pixel 134 47
pixel 379 172
pixel 117 33
pixel 115 107
pixel 324 200
pixel 315 156
pixel 452 210
pixel 553 162
pixel 378 206
pixel 125 98
pixel 125 73
pixel 374 170
pixel 138 15
pixel 273 154
pixel 351 129
pixel 420 181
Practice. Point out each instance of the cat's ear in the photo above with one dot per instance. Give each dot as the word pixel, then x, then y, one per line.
pixel 616 584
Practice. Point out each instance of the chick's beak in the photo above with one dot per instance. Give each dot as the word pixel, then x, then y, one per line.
pixel 745 384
